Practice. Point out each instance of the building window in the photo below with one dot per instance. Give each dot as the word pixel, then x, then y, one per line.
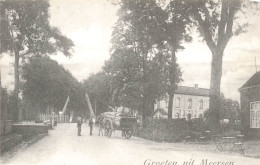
pixel 201 104
pixel 190 103
pixel 157 116
pixel 177 102
pixel 255 115
pixel 177 115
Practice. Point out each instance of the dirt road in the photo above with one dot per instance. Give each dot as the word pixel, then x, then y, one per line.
pixel 64 147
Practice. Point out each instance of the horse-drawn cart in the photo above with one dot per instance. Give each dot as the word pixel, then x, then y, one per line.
pixel 121 118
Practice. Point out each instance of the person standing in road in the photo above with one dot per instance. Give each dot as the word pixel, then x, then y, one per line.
pixel 79 123
pixel 91 123
pixel 101 125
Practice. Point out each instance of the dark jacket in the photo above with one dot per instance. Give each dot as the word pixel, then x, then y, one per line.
pixel 79 123
pixel 90 123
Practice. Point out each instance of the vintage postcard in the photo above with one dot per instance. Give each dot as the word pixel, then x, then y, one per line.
pixel 130 82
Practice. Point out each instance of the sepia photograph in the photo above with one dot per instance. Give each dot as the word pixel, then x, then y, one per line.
pixel 129 82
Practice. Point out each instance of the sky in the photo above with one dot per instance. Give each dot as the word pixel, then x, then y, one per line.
pixel 89 24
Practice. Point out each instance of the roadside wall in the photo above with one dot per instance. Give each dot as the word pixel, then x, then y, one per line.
pixel 30 129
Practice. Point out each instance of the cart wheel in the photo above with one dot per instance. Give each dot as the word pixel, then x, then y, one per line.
pixel 108 129
pixel 127 133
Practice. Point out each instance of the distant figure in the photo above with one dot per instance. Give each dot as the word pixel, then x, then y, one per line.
pixel 101 125
pixel 90 123
pixel 79 123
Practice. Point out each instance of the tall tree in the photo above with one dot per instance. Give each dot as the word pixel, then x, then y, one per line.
pixel 123 68
pixel 178 30
pixel 217 22
pixel 140 55
pixel 30 33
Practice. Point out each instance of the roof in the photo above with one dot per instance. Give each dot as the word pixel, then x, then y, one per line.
pixel 162 111
pixel 253 81
pixel 192 91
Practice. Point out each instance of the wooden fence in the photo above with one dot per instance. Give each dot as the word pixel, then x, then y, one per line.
pixel 55 117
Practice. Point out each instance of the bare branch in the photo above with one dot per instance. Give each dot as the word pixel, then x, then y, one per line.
pixel 25 53
pixel 231 14
pixel 222 24
pixel 228 33
pixel 206 31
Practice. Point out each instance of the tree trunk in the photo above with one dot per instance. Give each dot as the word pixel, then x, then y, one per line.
pixel 144 114
pixel 144 83
pixel 148 105
pixel 16 84
pixel 170 105
pixel 172 82
pixel 214 104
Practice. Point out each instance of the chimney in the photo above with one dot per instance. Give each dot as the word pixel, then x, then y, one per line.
pixel 196 86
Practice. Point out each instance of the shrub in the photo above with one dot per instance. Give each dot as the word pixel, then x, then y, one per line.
pixel 197 125
pixel 164 130
pixel 171 130
pixel 230 129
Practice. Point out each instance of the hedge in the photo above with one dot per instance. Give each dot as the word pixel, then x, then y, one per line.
pixel 175 130
pixel 164 130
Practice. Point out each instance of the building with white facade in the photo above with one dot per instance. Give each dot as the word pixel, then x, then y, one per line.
pixel 160 113
pixel 188 102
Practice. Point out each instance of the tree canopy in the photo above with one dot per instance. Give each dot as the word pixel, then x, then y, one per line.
pixel 97 86
pixel 45 83
pixel 25 31
pixel 27 27
pixel 143 65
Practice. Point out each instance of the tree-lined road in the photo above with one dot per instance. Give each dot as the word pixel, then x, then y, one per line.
pixel 64 147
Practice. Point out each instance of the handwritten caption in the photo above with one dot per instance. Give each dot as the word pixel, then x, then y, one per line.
pixel 189 162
